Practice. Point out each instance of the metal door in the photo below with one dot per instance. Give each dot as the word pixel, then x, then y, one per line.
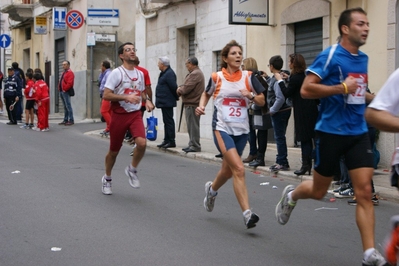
pixel 309 39
pixel 59 57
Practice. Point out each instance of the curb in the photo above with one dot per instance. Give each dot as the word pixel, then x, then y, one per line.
pixel 385 193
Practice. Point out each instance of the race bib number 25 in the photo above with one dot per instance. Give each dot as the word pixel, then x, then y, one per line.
pixel 234 110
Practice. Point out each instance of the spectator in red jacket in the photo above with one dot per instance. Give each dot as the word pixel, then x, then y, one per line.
pixel 64 85
pixel 43 102
pixel 29 93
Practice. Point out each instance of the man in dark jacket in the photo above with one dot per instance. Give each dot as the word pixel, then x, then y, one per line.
pixel 12 94
pixel 166 98
pixel 1 87
pixel 19 106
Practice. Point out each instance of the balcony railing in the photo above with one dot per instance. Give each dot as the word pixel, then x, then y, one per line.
pixel 18 10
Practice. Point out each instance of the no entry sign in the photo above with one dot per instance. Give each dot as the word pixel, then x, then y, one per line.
pixel 74 19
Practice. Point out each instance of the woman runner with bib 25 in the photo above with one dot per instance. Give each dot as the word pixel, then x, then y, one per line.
pixel 231 89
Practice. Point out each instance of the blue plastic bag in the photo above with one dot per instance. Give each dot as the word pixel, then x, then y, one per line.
pixel 152 127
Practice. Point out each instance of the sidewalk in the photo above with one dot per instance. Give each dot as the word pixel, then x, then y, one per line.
pixel 208 152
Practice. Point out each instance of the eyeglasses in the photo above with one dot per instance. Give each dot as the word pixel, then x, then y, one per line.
pixel 127 50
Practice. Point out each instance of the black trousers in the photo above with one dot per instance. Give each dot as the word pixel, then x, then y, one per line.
pixel 12 115
pixel 169 125
pixel 262 143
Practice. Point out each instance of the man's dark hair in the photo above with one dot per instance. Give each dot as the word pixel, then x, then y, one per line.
pixel 29 75
pixel 346 17
pixel 193 60
pixel 106 64
pixel 122 47
pixel 15 65
pixel 277 62
pixel 37 76
pixel 38 71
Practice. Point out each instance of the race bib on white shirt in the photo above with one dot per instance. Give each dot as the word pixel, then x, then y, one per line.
pixel 360 96
pixel 131 106
pixel 234 110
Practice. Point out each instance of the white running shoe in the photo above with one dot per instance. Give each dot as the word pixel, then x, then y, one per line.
pixel 375 259
pixel 106 189
pixel 133 178
pixel 284 207
pixel 209 200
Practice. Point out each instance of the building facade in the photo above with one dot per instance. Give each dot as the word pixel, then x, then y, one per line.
pixel 181 28
pixel 48 48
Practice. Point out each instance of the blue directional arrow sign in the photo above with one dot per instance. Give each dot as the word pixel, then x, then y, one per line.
pixel 102 17
pixel 103 13
pixel 5 40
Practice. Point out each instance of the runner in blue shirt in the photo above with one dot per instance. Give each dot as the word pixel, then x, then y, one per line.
pixel 339 78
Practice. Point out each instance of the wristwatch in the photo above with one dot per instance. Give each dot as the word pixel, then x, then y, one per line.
pixel 253 96
pixel 149 99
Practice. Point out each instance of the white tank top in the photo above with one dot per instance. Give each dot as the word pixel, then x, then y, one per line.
pixel 231 108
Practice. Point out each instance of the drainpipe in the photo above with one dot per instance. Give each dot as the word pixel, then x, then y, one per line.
pixel 271 10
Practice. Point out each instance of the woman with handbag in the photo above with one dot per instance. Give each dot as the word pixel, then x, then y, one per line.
pixel 258 119
pixel 305 111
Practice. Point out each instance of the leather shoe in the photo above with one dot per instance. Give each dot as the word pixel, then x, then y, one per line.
pixel 169 145
pixel 189 150
pixel 249 159
pixel 12 123
pixel 257 163
pixel 162 144
pixel 219 155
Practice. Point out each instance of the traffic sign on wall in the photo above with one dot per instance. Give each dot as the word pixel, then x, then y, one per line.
pixel 40 25
pixel 5 40
pixel 59 14
pixel 74 19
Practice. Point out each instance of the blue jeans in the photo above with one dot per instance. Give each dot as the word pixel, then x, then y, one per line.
pixel 280 123
pixel 68 112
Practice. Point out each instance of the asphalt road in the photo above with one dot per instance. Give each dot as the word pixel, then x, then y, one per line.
pixel 55 202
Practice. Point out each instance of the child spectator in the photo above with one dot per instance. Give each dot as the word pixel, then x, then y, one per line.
pixel 43 100
pixel 30 101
